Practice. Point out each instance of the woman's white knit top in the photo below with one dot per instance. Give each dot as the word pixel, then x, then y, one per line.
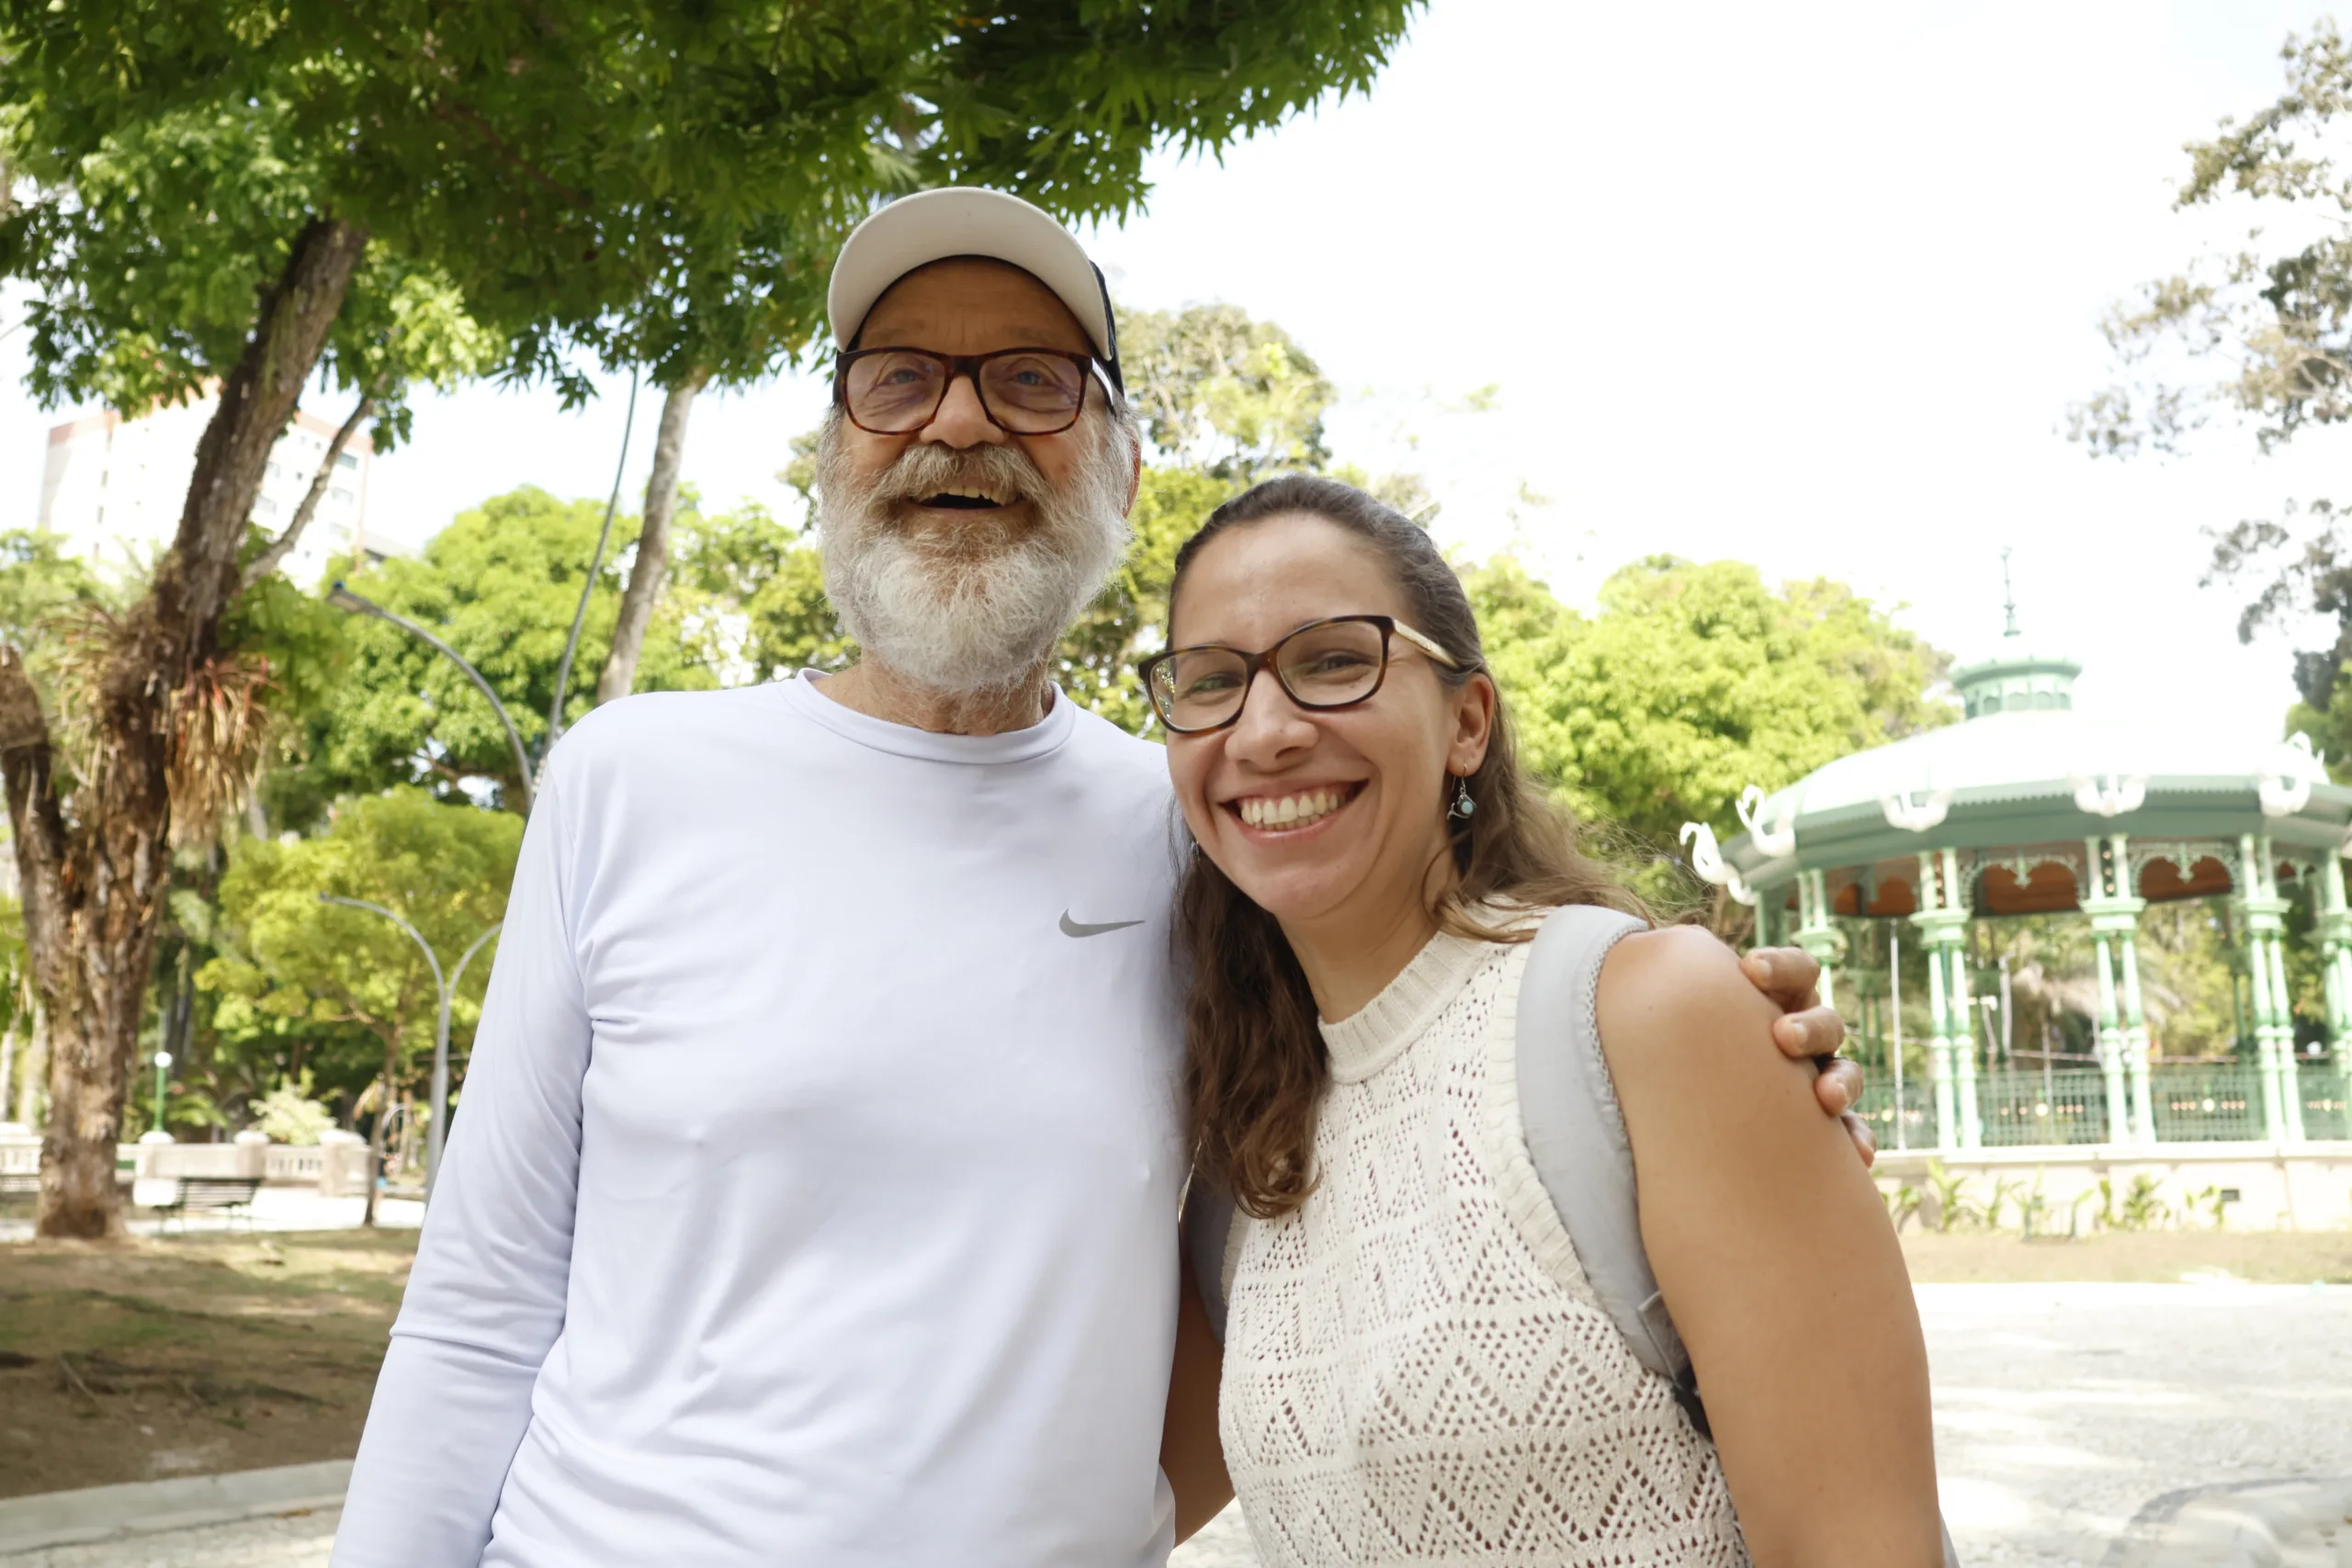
pixel 1415 1369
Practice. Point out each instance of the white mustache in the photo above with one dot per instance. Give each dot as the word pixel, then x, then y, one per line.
pixel 922 472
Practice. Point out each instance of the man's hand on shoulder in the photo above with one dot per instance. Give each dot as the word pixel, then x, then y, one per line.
pixel 1791 977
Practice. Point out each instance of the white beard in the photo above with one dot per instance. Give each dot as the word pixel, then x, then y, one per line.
pixel 974 610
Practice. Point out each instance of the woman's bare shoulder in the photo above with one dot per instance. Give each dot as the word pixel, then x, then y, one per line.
pixel 1676 1011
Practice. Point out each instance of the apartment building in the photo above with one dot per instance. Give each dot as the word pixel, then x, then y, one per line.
pixel 114 488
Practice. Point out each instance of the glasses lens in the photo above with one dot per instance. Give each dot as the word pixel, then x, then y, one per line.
pixel 1032 393
pixel 894 391
pixel 1330 666
pixel 1199 688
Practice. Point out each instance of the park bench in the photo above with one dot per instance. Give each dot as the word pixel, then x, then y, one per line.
pixel 232 1195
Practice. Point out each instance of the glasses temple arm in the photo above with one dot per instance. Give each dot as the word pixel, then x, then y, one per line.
pixel 1425 645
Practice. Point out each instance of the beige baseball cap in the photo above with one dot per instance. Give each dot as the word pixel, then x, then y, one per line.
pixel 967 221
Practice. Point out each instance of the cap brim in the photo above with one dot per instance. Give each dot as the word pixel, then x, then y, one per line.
pixel 965 220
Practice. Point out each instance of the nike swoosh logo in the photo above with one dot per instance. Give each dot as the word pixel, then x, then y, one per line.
pixel 1071 928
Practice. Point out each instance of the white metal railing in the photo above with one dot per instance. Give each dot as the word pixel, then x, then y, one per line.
pixel 335 1168
pixel 295 1163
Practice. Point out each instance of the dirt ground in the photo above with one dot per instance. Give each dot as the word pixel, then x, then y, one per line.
pixel 2160 1258
pixel 189 1355
pixel 200 1354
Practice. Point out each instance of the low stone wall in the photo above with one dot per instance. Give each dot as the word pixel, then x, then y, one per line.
pixel 337 1167
pixel 2305 1187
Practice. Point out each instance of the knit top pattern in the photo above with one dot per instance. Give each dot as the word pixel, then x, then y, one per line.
pixel 1415 1371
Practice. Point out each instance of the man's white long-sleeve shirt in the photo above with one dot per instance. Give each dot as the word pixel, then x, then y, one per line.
pixel 812 1197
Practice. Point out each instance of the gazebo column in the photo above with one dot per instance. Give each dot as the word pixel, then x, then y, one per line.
pixel 2332 930
pixel 2122 1030
pixel 1942 920
pixel 1814 933
pixel 2291 1087
pixel 2262 920
pixel 2135 1038
pixel 1963 1010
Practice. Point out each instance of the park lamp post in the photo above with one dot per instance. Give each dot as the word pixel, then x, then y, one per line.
pixel 342 598
pixel 448 987
pixel 163 1065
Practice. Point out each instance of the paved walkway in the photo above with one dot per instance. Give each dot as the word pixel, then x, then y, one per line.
pixel 275 1208
pixel 2062 1411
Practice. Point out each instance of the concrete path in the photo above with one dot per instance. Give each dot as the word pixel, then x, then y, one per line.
pixel 275 1208
pixel 299 1542
pixel 2063 1414
pixel 2063 1411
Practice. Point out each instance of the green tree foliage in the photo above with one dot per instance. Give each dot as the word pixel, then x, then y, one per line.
pixel 1224 401
pixel 1692 681
pixel 1095 662
pixel 500 585
pixel 750 604
pixel 39 580
pixel 2262 335
pixel 218 190
pixel 343 994
pixel 1224 395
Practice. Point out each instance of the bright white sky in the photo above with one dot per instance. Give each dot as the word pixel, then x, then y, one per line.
pixel 1808 285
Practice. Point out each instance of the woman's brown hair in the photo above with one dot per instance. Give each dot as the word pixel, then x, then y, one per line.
pixel 1255 1066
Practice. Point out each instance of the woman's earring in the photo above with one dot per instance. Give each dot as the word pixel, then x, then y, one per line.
pixel 1462 804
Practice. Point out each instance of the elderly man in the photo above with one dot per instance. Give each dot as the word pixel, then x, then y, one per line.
pixel 815 1197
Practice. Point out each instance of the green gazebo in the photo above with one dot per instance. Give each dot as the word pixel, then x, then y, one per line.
pixel 2027 806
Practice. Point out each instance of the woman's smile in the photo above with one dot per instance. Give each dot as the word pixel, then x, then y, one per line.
pixel 1293 811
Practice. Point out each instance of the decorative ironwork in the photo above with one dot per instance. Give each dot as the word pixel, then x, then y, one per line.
pixel 1773 841
pixel 2108 794
pixel 1707 860
pixel 2285 786
pixel 1915 815
pixel 2022 867
pixel 2179 854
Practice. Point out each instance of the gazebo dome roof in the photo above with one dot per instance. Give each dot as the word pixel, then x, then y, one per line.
pixel 2025 768
pixel 2024 755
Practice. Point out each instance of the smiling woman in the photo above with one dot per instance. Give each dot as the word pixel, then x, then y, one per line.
pixel 1409 1331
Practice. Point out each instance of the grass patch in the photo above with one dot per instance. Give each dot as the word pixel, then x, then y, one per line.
pixel 189 1355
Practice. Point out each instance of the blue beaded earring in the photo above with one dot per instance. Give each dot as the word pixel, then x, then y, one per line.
pixel 1462 804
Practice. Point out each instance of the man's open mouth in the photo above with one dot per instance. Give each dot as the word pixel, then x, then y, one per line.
pixel 967 498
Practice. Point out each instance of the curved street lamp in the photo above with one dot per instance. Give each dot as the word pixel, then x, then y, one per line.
pixel 342 598
pixel 436 1126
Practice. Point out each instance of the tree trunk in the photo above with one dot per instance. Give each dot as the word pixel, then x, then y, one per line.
pixel 92 889
pixel 652 563
pixel 383 1119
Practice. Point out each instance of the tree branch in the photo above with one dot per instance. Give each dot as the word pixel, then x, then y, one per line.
pixel 459 114
pixel 262 565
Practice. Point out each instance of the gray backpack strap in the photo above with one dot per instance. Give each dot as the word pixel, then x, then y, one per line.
pixel 1576 1136
pixel 1576 1140
pixel 1207 1228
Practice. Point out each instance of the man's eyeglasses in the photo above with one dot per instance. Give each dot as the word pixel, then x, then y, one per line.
pixel 1025 391
pixel 1332 663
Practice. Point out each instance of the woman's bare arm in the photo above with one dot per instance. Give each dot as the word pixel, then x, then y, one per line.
pixel 1775 1256
pixel 1190 1454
